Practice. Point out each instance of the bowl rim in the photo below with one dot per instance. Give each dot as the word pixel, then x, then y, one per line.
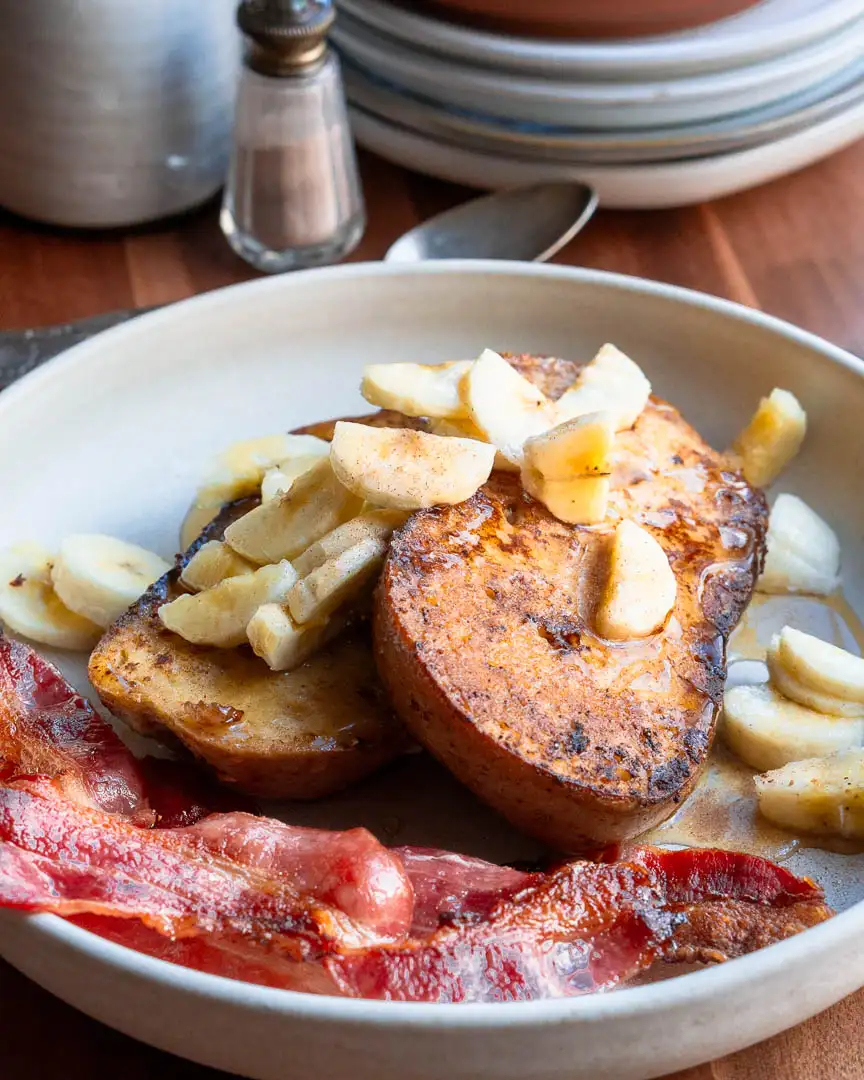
pixel 664 996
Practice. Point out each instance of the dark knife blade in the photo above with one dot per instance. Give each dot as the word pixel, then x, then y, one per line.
pixel 23 350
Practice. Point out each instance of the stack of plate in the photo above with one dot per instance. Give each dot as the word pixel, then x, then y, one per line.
pixel 660 121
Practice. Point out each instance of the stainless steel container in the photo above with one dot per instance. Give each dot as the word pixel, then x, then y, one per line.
pixel 114 112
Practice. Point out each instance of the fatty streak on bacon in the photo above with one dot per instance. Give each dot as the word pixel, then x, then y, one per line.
pixel 47 728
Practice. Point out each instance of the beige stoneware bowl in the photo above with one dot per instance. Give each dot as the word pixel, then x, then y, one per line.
pixel 113 437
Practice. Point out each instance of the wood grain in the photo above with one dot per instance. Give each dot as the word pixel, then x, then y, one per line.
pixel 794 248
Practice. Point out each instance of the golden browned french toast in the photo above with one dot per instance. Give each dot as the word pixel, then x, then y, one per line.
pixel 483 635
pixel 289 735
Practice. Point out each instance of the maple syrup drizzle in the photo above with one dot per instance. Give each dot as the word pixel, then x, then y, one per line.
pixel 722 810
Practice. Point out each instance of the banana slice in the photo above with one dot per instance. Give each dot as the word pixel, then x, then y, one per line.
pixel 282 528
pixel 466 429
pixel 278 480
pixel 505 407
pixel 408 470
pixel 767 730
pixel 99 577
pixel 29 606
pixel 239 471
pixel 611 382
pixel 567 468
pixel 219 616
pixel 281 643
pixel 342 578
pixel 640 589
pixel 214 562
pixel 416 389
pixel 803 551
pixel 816 673
pixel 772 438
pixel 375 524
pixel 824 796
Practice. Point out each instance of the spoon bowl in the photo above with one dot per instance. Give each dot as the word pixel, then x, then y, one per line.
pixel 526 224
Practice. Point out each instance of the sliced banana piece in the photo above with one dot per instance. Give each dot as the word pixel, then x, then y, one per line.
pixel 640 588
pixel 504 406
pixel 239 471
pixel 213 562
pixel 772 438
pixel 281 643
pixel 283 528
pixel 99 577
pixel 416 389
pixel 823 796
pixel 816 673
pixel 29 606
pixel 803 553
pixel 466 429
pixel 767 730
pixel 407 470
pixel 219 616
pixel 344 577
pixel 374 524
pixel 567 468
pixel 278 480
pixel 610 382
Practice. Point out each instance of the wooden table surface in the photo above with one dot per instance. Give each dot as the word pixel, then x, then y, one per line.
pixel 794 248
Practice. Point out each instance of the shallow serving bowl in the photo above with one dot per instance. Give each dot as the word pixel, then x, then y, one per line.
pixel 113 437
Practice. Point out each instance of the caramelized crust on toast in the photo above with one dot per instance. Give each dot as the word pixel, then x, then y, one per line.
pixel 292 735
pixel 483 636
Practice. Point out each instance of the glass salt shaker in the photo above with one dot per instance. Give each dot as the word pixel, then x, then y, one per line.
pixel 293 196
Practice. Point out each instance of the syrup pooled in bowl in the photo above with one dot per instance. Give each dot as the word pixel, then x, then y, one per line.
pixel 722 811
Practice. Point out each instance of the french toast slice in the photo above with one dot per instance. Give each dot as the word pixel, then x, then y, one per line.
pixel 288 735
pixel 483 635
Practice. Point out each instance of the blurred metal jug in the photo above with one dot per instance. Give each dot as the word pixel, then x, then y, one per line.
pixel 114 112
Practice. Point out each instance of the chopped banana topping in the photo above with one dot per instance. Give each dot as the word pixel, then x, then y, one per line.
pixel 407 470
pixel 238 472
pixel 284 527
pixel 374 524
pixel 417 389
pixel 803 551
pixel 281 477
pixel 281 643
pixel 611 382
pixel 767 730
pixel 504 406
pixel 824 795
pixel 640 588
pixel 342 578
pixel 772 438
pixel 219 616
pixel 817 674
pixel 214 562
pixel 568 467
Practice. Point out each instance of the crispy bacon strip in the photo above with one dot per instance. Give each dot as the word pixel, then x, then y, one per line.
pixel 49 729
pixel 585 927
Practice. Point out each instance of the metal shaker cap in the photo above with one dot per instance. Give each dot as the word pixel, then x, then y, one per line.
pixel 286 36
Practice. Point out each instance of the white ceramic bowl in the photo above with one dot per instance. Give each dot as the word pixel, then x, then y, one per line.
pixel 268 355
pixel 114 112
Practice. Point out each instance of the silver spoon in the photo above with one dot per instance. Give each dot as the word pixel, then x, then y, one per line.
pixel 528 224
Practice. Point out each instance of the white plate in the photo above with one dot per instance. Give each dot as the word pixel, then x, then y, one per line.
pixel 113 437
pixel 770 29
pixel 739 132
pixel 601 105
pixel 633 187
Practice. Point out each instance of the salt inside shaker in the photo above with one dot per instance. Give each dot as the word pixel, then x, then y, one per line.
pixel 293 196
